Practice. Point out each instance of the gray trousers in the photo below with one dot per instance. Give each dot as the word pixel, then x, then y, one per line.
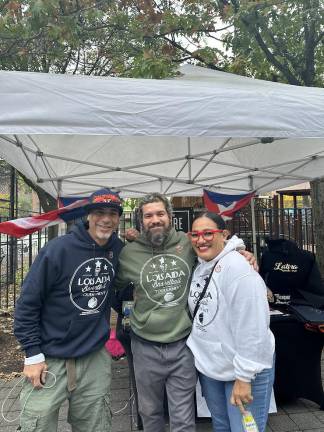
pixel 165 367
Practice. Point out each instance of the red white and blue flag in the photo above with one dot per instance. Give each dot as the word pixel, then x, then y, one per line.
pixel 225 205
pixel 69 209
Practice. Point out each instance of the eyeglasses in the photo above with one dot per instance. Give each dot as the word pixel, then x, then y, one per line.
pixel 207 235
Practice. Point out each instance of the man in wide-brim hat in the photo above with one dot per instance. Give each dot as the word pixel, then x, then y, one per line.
pixel 62 323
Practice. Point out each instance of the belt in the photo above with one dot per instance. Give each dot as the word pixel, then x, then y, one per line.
pixel 71 374
pixel 155 343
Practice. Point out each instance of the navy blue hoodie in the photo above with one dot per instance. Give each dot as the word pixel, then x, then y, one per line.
pixel 64 307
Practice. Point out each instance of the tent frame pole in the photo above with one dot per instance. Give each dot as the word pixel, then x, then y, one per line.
pixel 254 239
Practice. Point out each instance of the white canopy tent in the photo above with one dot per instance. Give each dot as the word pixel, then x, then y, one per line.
pixel 205 129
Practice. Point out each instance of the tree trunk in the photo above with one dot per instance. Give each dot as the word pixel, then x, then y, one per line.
pixel 310 44
pixel 317 194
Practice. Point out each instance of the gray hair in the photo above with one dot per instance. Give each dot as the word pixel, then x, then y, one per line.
pixel 151 198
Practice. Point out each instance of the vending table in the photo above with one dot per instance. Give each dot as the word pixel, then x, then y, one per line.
pixel 298 360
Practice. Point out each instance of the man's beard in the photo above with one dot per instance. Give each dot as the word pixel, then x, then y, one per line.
pixel 157 238
pixel 104 236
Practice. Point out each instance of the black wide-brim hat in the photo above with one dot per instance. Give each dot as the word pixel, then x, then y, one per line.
pixel 104 198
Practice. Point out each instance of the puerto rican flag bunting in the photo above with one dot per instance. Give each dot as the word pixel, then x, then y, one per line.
pixel 69 209
pixel 225 205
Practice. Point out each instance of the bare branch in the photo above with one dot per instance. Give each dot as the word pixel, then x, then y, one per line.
pixel 192 55
pixel 283 68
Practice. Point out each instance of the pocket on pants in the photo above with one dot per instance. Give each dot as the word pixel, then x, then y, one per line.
pixel 106 415
pixel 28 425
pixel 188 359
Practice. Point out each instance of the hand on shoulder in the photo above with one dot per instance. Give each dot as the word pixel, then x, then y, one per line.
pixel 131 234
pixel 250 259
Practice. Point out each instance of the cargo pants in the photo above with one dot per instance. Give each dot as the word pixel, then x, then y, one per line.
pixel 84 382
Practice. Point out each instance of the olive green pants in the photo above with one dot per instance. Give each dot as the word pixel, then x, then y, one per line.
pixel 85 383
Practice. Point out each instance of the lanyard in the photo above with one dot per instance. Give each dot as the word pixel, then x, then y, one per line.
pixel 203 292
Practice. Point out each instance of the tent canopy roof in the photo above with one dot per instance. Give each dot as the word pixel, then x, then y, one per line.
pixel 74 134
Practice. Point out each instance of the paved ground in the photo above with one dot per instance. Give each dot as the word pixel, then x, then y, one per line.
pixel 302 415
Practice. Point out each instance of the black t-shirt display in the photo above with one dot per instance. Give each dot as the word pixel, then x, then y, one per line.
pixel 291 273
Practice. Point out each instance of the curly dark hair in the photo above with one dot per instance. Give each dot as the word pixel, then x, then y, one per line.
pixel 151 198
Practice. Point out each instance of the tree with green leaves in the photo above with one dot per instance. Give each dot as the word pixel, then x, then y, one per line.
pixel 278 40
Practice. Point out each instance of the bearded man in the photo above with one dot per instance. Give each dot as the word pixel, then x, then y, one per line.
pixel 159 264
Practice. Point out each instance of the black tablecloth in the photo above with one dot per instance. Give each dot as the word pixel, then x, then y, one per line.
pixel 298 360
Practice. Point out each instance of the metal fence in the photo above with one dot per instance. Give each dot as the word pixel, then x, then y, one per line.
pixel 288 223
pixel 16 255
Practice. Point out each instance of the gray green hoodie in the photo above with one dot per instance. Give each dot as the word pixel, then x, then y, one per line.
pixel 161 278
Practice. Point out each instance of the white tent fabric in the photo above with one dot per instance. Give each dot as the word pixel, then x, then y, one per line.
pixel 204 129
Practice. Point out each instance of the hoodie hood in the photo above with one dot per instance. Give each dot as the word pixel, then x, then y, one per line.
pixel 283 246
pixel 234 243
pixel 173 238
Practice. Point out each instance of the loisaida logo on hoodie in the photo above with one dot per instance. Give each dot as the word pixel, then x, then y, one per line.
pixel 164 278
pixel 90 283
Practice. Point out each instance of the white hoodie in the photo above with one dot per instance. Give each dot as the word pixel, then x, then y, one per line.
pixel 230 337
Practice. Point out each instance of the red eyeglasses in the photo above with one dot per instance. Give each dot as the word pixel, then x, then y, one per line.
pixel 207 235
